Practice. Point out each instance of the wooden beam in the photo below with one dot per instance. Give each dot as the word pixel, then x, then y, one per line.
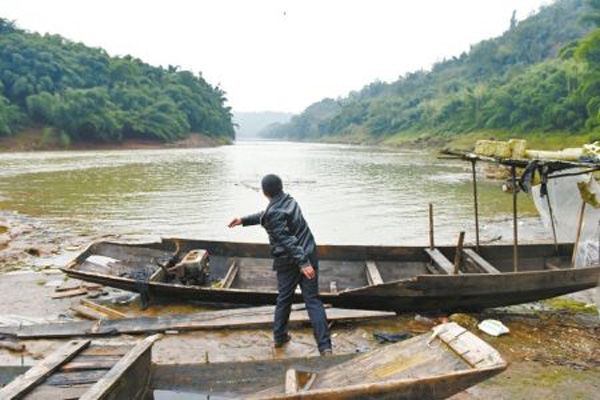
pixel 87 312
pixel 230 276
pixel 115 374
pixel 440 261
pixel 373 275
pixel 480 262
pixel 40 371
pixel 70 293
pixel 248 318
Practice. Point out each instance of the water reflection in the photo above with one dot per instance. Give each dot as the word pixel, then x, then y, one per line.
pixel 349 194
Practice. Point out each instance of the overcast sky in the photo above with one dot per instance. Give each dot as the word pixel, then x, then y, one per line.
pixel 277 55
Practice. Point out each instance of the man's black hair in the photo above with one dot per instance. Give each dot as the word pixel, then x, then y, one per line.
pixel 272 185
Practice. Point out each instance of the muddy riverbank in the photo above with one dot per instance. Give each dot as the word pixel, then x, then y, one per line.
pixel 34 139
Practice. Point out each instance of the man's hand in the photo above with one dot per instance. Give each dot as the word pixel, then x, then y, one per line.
pixel 235 222
pixel 308 271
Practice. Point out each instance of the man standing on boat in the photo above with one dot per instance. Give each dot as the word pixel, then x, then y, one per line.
pixel 295 260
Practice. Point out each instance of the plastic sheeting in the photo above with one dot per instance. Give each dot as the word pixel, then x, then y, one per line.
pixel 566 204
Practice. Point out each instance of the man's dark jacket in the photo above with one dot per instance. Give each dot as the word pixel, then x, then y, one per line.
pixel 292 242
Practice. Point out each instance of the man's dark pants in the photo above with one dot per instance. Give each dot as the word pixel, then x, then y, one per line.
pixel 287 281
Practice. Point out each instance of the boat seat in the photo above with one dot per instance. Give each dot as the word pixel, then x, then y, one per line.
pixel 440 262
pixel 373 275
pixel 227 281
pixel 480 262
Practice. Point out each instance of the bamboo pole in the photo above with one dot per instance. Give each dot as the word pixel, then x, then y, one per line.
pixel 458 254
pixel 513 173
pixel 475 203
pixel 431 231
pixel 599 246
pixel 552 223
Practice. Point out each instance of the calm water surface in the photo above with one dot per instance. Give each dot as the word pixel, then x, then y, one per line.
pixel 349 194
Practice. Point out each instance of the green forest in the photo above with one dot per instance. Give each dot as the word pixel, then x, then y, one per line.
pixel 542 75
pixel 83 94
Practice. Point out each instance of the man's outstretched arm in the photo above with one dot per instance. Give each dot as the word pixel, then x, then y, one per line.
pixel 252 219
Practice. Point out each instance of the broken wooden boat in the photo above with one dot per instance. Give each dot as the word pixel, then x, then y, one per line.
pixel 415 279
pixel 81 369
pixel 431 366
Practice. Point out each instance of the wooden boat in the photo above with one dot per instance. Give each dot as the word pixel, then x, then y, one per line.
pixel 429 366
pixel 83 370
pixel 414 279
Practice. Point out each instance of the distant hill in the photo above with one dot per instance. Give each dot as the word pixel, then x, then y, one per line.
pixel 250 124
pixel 81 93
pixel 541 75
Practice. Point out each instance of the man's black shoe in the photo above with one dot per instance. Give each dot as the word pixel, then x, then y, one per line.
pixel 326 353
pixel 280 343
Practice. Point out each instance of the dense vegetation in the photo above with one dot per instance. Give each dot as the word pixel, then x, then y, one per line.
pixel 541 75
pixel 85 94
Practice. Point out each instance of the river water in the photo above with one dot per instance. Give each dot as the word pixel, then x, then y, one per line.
pixel 349 194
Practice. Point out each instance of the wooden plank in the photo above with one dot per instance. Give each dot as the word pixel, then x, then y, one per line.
pixel 77 285
pixel 87 312
pixel 373 274
pixel 254 317
pixel 99 357
pixel 41 370
pixel 87 365
pixel 230 277
pixel 70 293
pixel 472 349
pixel 114 314
pixel 440 261
pixel 46 392
pixel 291 381
pixel 97 350
pixel 480 262
pixel 117 372
pixel 75 377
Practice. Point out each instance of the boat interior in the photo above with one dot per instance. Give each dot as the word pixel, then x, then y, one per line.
pixel 249 266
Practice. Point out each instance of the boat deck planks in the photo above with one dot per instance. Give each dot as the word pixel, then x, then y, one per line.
pixel 78 370
pixel 373 275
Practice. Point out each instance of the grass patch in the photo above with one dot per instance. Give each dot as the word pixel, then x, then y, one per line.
pixel 571 305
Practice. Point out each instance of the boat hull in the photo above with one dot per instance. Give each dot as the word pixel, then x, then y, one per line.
pixel 420 293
